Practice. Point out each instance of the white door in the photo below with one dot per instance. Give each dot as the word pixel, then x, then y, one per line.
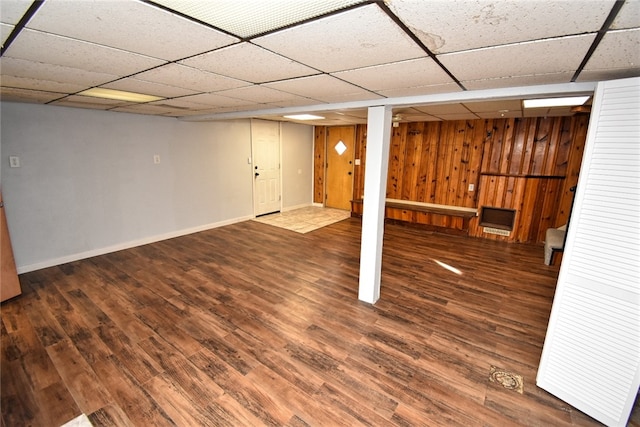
pixel 591 354
pixel 265 141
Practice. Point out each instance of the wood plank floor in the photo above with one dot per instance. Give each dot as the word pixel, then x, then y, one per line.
pixel 253 325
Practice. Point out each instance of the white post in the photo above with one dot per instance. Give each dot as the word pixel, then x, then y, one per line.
pixel 375 188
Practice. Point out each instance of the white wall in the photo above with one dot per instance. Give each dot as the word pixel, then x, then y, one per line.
pixel 297 165
pixel 88 184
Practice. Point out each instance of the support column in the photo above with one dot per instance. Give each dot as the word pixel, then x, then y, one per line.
pixel 375 189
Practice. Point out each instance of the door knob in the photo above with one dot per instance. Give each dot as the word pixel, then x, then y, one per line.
pixel 349 173
pixel 257 174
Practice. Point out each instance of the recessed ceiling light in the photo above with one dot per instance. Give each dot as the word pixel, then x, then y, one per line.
pixel 119 95
pixel 555 102
pixel 304 117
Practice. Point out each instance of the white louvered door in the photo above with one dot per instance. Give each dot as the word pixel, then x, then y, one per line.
pixel 591 354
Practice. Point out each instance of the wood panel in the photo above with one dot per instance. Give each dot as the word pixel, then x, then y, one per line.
pixel 318 163
pixel 9 282
pixel 525 164
pixel 360 154
pixel 226 339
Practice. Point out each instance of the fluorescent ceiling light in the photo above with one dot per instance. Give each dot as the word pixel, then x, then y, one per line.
pixel 119 95
pixel 248 18
pixel 304 117
pixel 555 102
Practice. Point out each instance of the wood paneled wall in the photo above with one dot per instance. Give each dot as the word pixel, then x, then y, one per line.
pixel 318 163
pixel 524 164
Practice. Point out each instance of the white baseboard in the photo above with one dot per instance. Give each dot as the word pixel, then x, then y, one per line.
pixel 125 245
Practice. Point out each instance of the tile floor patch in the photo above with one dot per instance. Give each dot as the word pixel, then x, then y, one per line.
pixel 305 219
pixel 506 379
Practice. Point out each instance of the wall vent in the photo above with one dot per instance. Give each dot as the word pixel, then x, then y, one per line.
pixel 498 231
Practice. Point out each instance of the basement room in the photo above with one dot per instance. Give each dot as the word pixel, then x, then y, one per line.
pixel 320 213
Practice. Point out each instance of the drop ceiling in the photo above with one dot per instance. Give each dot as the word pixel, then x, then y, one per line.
pixel 252 58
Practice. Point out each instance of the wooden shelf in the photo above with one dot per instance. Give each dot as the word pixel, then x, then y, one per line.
pixel 456 211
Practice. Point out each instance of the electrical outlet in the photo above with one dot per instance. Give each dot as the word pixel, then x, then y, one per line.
pixel 156 159
pixel 471 187
pixel 14 161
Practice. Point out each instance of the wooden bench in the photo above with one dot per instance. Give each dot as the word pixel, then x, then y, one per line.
pixel 457 211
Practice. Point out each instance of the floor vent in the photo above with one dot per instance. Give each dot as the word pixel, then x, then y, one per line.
pixel 506 379
pixel 498 231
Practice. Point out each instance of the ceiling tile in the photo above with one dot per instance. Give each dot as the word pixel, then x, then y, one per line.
pixel 493 106
pixel 9 94
pixel 617 50
pixel 41 84
pixel 41 47
pixel 353 39
pixel 247 107
pixel 361 113
pixel 52 73
pixel 214 100
pixel 602 75
pixel 11 11
pixel 420 118
pixel 180 104
pixel 323 88
pixel 264 66
pixel 628 17
pixel 5 30
pixel 259 94
pixel 461 116
pixel 296 101
pixel 145 109
pixel 81 105
pixel 79 100
pixel 544 112
pixel 554 56
pixel 205 111
pixel 404 74
pixel 517 81
pixel 158 33
pixel 451 26
pixel 420 90
pixel 442 109
pixel 514 114
pixel 132 84
pixel 190 78
pixel 350 97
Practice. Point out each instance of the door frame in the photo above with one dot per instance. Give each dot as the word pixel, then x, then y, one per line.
pixel 253 165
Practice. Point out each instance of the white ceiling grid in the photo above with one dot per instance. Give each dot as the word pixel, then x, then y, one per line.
pixel 207 57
